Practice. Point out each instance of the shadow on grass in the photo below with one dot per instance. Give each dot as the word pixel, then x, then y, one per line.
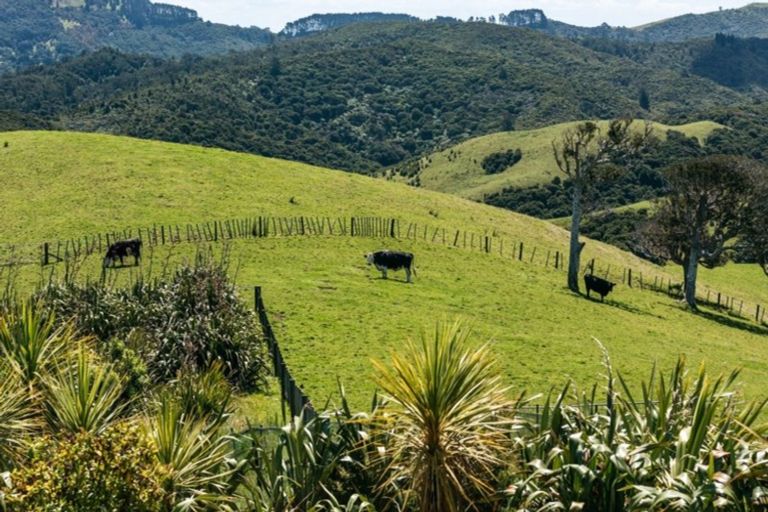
pixel 391 279
pixel 729 321
pixel 622 306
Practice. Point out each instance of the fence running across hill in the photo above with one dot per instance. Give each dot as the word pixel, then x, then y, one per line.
pixel 488 242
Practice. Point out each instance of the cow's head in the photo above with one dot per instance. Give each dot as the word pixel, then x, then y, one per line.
pixel 610 286
pixel 107 262
pixel 369 258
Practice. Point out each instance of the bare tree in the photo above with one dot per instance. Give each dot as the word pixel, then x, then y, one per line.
pixel 711 202
pixel 586 155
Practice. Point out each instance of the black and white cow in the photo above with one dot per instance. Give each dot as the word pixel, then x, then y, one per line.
pixel 122 249
pixel 598 284
pixel 392 260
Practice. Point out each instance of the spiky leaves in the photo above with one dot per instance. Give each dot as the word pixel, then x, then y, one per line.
pixel 86 397
pixel 194 456
pixel 448 419
pixel 30 344
pixel 19 418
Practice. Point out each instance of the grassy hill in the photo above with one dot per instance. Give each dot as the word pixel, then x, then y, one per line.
pixel 332 313
pixel 458 169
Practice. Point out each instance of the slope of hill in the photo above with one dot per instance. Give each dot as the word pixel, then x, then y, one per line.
pixel 333 314
pixel 748 21
pixel 321 22
pixel 458 169
pixel 363 97
pixel 44 31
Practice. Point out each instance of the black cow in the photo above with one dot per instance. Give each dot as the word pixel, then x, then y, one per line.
pixel 599 285
pixel 122 249
pixel 392 260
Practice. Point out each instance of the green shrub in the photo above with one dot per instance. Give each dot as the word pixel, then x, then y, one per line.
pixel 115 471
pixel 501 161
pixel 187 321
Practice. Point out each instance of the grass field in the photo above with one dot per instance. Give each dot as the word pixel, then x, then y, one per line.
pixel 331 312
pixel 457 170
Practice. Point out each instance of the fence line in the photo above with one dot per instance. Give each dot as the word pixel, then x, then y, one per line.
pixel 371 227
pixel 291 393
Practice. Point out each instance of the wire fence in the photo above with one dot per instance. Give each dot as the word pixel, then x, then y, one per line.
pixel 486 241
pixel 292 395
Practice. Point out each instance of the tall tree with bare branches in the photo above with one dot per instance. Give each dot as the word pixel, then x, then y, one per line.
pixel 586 155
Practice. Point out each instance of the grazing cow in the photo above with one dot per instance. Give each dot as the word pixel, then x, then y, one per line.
pixel 122 249
pixel 599 285
pixel 392 260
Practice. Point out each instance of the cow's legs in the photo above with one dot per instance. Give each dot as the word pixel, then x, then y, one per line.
pixel 408 275
pixel 384 274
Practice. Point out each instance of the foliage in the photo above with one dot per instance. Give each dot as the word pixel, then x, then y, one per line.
pixel 710 202
pixel 500 162
pixel 313 465
pixel 587 156
pixel 447 417
pixel 639 182
pixel 30 343
pixel 205 396
pixel 688 444
pixel 195 458
pixel 33 32
pixel 84 398
pixel 113 470
pixel 19 419
pixel 361 98
pixel 188 321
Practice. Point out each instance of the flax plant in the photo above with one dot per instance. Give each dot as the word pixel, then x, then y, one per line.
pixel 448 420
pixel 85 397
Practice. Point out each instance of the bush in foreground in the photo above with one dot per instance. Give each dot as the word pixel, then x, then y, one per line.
pixel 187 321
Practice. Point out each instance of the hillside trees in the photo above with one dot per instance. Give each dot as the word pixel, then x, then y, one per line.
pixel 711 201
pixel 586 157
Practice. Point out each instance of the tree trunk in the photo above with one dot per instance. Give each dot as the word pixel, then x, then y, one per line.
pixel 691 272
pixel 575 246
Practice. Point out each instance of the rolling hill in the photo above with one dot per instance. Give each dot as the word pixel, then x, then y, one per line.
pixel 363 97
pixel 458 169
pixel 332 313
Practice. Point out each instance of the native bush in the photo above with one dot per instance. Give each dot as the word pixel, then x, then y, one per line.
pixel 114 470
pixel 501 161
pixel 689 443
pixel 186 321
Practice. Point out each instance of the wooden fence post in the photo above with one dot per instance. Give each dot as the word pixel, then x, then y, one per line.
pixel 520 255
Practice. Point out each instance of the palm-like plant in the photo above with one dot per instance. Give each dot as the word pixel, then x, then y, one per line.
pixel 18 418
pixel 688 444
pixel 30 343
pixel 448 418
pixel 86 397
pixel 196 459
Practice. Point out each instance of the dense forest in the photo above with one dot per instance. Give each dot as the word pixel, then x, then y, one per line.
pixel 36 32
pixel 363 97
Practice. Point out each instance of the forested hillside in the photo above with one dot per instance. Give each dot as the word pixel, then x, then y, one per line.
pixel 362 97
pixel 45 31
pixel 748 21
